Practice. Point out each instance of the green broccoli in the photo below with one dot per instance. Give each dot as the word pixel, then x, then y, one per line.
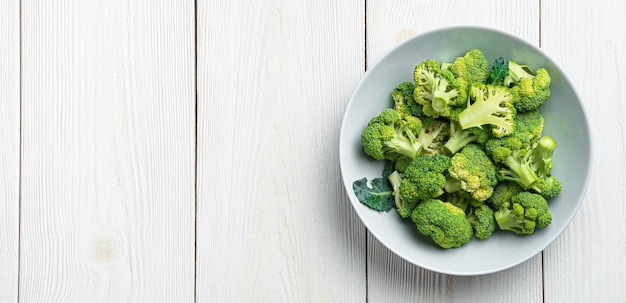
pixel 389 136
pixel 401 164
pixel 513 154
pixel 483 221
pixel 433 135
pixel 445 223
pixel 531 123
pixel 423 179
pixel 514 151
pixel 458 200
pixel 542 156
pixel 547 185
pixel 475 170
pixel 462 199
pixel 517 165
pixel 404 102
pixel 458 139
pixel 435 89
pixel 464 150
pixel 524 213
pixel 461 137
pixel 473 67
pixel 492 106
pixel 502 193
pixel 528 128
pixel 529 89
pixel 526 163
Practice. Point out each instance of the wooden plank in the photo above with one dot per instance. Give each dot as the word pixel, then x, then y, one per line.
pixel 9 148
pixel 586 264
pixel 390 278
pixel 108 151
pixel 274 222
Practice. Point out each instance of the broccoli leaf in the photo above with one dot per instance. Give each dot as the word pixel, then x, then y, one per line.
pixel 388 169
pixel 378 197
pixel 499 70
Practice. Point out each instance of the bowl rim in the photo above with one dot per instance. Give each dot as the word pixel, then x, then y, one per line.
pixel 389 52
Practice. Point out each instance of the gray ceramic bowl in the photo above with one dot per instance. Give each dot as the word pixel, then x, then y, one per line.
pixel 564 120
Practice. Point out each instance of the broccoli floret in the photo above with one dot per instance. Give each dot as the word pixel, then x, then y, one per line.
pixel 502 193
pixel 526 162
pixel 523 213
pixel 389 136
pixel 475 170
pixel 512 217
pixel 433 135
pixel 501 148
pixel 471 68
pixel 530 90
pixel 513 154
pixel 517 72
pixel 547 185
pixel 542 155
pixel 445 223
pixel 530 123
pixel 482 220
pixel 404 102
pixel 514 151
pixel 491 105
pixel 518 168
pixel 435 89
pixel 535 201
pixel 528 128
pixel 423 179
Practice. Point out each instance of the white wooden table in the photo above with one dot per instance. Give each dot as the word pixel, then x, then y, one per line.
pixel 187 151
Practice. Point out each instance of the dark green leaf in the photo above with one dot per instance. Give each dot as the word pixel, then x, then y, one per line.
pixel 499 70
pixel 388 169
pixel 378 197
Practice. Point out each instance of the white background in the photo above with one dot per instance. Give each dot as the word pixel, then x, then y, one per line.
pixel 181 151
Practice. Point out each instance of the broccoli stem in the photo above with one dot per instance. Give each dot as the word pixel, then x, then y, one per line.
pixel 440 96
pixel 506 221
pixel 426 137
pixel 542 156
pixel 481 113
pixel 438 103
pixel 395 179
pixel 452 185
pixel 519 170
pixel 517 72
pixel 458 140
pixel 405 146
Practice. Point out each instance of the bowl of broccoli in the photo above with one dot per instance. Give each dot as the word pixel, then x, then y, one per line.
pixel 465 150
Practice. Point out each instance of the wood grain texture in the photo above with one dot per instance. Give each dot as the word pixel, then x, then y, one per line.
pixel 274 222
pixel 108 151
pixel 390 278
pixel 586 264
pixel 389 23
pixel 9 148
